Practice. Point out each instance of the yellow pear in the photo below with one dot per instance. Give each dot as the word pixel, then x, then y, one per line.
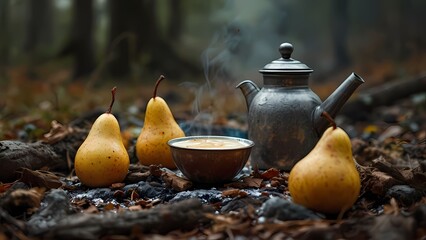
pixel 159 127
pixel 102 159
pixel 326 180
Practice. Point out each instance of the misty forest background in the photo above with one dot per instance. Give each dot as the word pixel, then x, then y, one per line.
pixel 60 58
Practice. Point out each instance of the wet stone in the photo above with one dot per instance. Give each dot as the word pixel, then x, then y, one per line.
pixel 284 210
pixel 206 196
pixel 103 193
pixel 55 206
pixel 130 187
pixel 246 171
pixel 238 204
pixel 404 194
pixel 275 192
pixel 18 185
pixel 255 193
pixel 149 190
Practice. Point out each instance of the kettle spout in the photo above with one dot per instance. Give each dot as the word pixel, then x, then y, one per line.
pixel 335 102
pixel 249 90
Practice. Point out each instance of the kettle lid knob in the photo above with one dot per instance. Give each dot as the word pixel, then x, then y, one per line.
pixel 286 49
pixel 286 64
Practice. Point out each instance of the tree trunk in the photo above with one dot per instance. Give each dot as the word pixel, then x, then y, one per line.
pixel 127 33
pixel 4 34
pixel 360 107
pixel 59 222
pixel 82 38
pixel 39 25
pixel 340 32
pixel 134 33
pixel 175 20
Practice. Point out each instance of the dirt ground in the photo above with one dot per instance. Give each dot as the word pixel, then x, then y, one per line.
pixel 49 202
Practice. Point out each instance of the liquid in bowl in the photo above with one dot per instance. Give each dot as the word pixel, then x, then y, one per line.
pixel 210 143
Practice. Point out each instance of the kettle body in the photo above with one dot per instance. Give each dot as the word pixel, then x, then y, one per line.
pixel 279 120
pixel 284 116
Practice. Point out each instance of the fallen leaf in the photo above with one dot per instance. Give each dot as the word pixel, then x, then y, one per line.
pixel 135 208
pixel 234 193
pixel 247 182
pixel 135 177
pixel 40 178
pixel 142 203
pixel 270 173
pixel 91 209
pixel 155 170
pixel 253 182
pixel 23 200
pixel 119 194
pixel 391 131
pixel 117 185
pixel 134 195
pixel 56 133
pixel 379 182
pixel 109 206
pixel 5 186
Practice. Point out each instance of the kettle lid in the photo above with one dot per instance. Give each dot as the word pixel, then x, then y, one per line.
pixel 286 64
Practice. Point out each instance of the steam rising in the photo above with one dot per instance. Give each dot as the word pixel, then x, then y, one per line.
pixel 248 39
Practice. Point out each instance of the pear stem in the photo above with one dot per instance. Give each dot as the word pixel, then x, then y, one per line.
pixel 156 85
pixel 112 100
pixel 327 116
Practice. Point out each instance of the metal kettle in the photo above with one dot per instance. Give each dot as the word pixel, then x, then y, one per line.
pixel 284 116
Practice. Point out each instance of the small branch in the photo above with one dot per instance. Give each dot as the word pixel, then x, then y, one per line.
pixel 329 118
pixel 383 94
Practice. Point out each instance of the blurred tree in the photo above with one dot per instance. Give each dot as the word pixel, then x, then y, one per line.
pixel 39 26
pixel 127 19
pixel 165 36
pixel 406 44
pixel 135 39
pixel 340 26
pixel 416 16
pixel 175 20
pixel 387 30
pixel 4 34
pixel 81 40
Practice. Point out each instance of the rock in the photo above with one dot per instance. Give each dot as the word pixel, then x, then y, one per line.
pixel 206 196
pixel 404 194
pixel 284 210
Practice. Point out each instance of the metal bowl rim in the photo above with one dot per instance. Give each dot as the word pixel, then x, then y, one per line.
pixel 180 139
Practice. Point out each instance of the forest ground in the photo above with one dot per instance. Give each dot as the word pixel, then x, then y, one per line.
pixel 388 141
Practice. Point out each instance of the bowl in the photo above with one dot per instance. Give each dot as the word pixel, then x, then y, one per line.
pixel 210 159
